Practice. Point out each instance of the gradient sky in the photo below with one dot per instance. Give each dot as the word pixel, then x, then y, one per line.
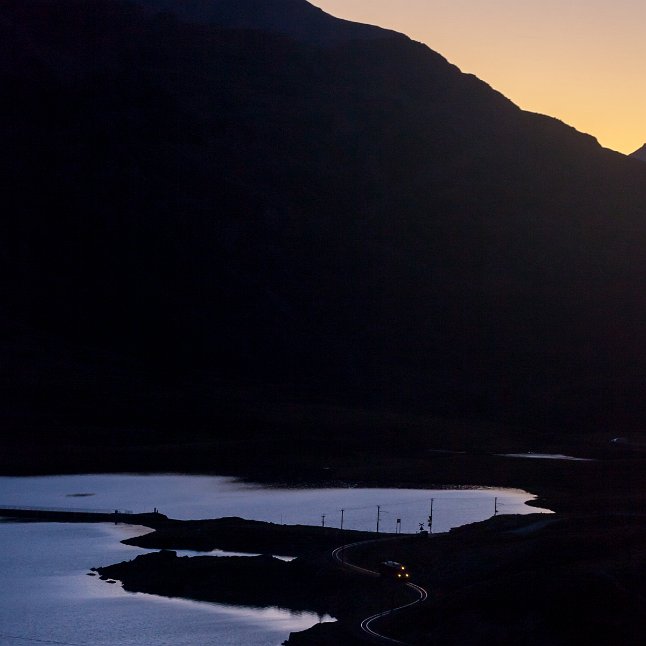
pixel 582 61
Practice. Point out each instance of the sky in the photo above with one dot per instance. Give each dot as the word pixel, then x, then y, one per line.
pixel 581 61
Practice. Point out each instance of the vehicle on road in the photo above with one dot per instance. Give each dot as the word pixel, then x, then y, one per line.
pixel 394 570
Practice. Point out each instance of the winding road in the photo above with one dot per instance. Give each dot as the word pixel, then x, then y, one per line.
pixel 367 624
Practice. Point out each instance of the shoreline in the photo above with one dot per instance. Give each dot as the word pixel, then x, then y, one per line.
pixel 589 558
pixel 617 481
pixel 576 550
pixel 546 574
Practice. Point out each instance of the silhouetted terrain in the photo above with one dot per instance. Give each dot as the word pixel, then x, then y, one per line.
pixel 511 579
pixel 530 580
pixel 219 220
pixel 293 18
pixel 640 154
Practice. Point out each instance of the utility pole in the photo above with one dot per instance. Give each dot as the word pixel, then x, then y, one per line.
pixel 322 520
pixel 430 518
pixel 495 506
pixel 342 519
pixel 378 514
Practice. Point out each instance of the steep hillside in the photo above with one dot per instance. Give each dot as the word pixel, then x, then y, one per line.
pixel 345 217
pixel 640 154
pixel 293 18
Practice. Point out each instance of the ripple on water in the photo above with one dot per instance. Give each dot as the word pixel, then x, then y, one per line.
pixel 545 456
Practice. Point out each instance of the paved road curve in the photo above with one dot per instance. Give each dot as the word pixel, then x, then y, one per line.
pixel 339 554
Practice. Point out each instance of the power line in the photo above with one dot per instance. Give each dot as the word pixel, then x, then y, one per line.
pixel 423 501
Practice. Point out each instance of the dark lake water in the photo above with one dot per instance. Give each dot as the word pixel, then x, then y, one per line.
pixel 46 595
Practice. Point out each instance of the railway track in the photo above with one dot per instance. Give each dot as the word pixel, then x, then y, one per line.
pixel 368 624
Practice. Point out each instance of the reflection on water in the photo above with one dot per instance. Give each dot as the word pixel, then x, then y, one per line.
pixel 217 552
pixel 45 593
pixel 545 456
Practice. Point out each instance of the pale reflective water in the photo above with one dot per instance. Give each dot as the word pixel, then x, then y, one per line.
pixel 194 497
pixel 46 596
pixel 545 456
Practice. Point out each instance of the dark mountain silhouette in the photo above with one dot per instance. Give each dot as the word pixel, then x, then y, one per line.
pixel 293 18
pixel 640 154
pixel 210 205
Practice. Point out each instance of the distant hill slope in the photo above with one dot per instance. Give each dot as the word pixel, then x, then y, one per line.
pixel 332 217
pixel 640 154
pixel 294 18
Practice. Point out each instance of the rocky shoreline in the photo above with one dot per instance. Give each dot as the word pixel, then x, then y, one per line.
pixel 509 580
pixel 311 582
pixel 305 584
pixel 512 579
pixel 241 535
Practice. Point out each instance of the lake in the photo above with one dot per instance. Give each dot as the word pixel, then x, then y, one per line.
pixel 46 595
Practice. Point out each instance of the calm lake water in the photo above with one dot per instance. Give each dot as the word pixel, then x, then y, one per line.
pixel 545 456
pixel 46 595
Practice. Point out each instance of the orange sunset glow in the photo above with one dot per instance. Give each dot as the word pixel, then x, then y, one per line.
pixel 581 61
